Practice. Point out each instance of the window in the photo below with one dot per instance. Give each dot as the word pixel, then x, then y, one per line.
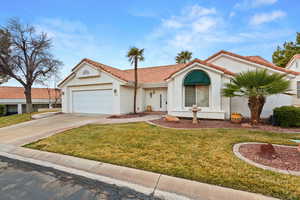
pixel 298 89
pixel 196 85
pixel 197 95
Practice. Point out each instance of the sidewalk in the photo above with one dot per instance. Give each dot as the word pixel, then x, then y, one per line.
pixel 158 185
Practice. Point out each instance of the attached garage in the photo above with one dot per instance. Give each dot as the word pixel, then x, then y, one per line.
pixel 92 101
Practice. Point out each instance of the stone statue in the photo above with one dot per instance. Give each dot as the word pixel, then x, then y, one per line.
pixel 195 109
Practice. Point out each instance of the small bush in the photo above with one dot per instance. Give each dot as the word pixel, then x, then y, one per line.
pixel 287 116
pixel 2 110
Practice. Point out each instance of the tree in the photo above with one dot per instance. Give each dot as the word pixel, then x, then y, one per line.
pixel 256 86
pixel 284 54
pixel 25 56
pixel 134 56
pixel 4 47
pixel 183 57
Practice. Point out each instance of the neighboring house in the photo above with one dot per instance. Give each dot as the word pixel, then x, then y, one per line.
pixel 14 99
pixel 93 87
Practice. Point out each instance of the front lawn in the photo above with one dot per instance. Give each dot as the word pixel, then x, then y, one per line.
pixel 14 119
pixel 203 155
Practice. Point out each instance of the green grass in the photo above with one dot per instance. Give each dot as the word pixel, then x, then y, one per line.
pixel 202 155
pixel 14 119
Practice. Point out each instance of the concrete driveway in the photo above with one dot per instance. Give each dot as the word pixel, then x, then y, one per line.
pixel 31 131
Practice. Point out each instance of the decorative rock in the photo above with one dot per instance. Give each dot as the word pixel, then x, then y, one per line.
pixel 246 125
pixel 267 151
pixel 171 118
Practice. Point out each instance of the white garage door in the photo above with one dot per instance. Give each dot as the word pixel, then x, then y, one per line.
pixel 92 101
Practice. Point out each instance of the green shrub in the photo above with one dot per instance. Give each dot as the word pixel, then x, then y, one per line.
pixel 287 116
pixel 2 110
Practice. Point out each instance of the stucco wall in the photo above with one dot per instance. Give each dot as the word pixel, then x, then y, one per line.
pixel 97 81
pixel 176 95
pixel 295 65
pixel 225 101
pixel 126 96
pixel 240 105
pixel 154 100
pixel 232 64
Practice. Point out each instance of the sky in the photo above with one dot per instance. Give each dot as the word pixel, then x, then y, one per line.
pixel 105 30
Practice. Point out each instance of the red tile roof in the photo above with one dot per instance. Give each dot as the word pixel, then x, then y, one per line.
pixel 7 92
pixel 254 59
pixel 225 71
pixel 159 74
pixel 156 74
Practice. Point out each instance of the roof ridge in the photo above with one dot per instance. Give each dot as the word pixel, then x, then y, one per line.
pixel 90 60
pixel 155 66
pixel 270 65
pixel 8 86
pixel 224 70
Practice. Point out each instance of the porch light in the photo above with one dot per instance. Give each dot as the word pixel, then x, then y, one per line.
pixel 115 91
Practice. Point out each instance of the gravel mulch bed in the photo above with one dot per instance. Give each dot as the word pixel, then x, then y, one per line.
pixel 132 115
pixel 287 158
pixel 204 123
pixel 187 123
pixel 127 116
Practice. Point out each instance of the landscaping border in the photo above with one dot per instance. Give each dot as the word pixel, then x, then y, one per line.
pixel 201 128
pixel 236 148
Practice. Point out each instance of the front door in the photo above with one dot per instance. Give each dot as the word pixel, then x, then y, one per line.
pixel 157 99
pixel 162 100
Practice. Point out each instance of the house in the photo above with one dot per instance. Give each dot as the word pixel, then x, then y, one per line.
pixel 14 99
pixel 93 87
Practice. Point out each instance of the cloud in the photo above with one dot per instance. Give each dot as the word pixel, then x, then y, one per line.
pixel 171 23
pixel 246 4
pixel 205 30
pixel 204 24
pixel 72 40
pixel 232 14
pixel 262 18
pixel 198 11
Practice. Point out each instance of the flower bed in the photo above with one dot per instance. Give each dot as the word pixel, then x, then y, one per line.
pixel 287 158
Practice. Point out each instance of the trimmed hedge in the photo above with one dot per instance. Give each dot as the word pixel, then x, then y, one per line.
pixel 287 116
pixel 2 110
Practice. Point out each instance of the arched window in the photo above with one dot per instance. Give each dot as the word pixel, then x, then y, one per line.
pixel 196 85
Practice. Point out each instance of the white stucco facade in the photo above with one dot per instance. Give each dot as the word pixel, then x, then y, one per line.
pixel 169 95
pixel 176 90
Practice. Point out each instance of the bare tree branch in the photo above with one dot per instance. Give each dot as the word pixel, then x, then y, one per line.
pixel 25 56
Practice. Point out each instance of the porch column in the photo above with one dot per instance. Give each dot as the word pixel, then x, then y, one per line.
pixel 19 108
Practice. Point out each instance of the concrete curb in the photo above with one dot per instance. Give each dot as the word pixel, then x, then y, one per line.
pixel 236 148
pixel 158 185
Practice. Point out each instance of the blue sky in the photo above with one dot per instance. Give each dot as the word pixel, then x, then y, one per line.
pixel 104 30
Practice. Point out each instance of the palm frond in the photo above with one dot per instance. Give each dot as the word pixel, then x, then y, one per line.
pixel 256 83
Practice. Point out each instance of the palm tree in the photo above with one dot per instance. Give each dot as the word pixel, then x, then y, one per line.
pixel 183 57
pixel 256 86
pixel 134 56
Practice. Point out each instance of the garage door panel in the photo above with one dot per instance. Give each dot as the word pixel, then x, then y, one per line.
pixel 92 101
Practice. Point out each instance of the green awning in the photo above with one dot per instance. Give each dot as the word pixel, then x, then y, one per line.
pixel 197 77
